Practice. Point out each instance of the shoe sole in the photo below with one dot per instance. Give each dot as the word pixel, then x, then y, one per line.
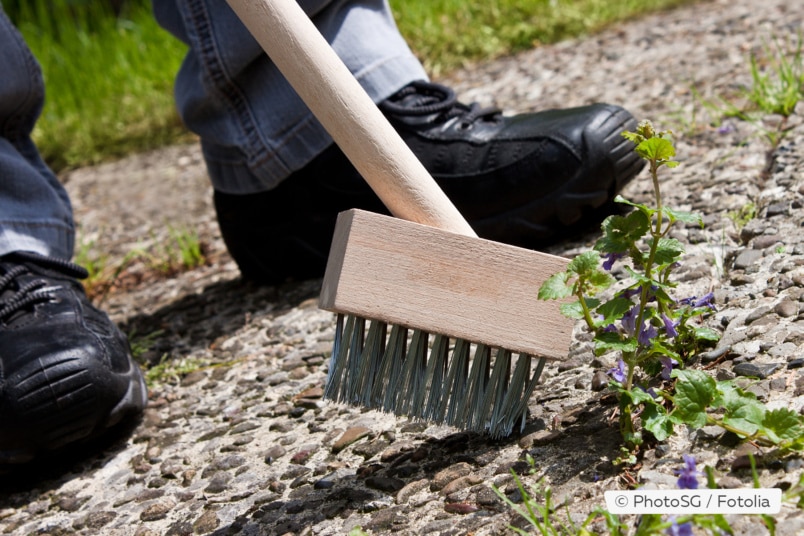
pixel 70 399
pixel 564 211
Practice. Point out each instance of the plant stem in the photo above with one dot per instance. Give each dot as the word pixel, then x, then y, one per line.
pixel 587 314
pixel 656 234
pixel 629 378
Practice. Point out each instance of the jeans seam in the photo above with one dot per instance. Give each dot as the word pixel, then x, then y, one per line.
pixel 13 128
pixel 224 85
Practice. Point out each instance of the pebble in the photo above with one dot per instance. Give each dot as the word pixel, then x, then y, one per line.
pixel 542 437
pixel 445 476
pixel 795 363
pixel 219 482
pixel 274 453
pixel 747 258
pixel 755 370
pixel 461 508
pixel 293 472
pixel 410 489
pixel 461 483
pixel 351 435
pixel 156 511
pixel 600 380
pixel 386 484
pixel 786 308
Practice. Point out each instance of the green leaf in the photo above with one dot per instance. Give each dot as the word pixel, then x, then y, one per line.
pixel 620 232
pixel 644 209
pixel 584 264
pixel 782 424
pixel 600 280
pixel 684 217
pixel 632 137
pixel 728 395
pixel 574 309
pixel 607 341
pixel 613 310
pixel 636 396
pixel 747 418
pixel 707 334
pixel 743 410
pixel 668 251
pixel 661 350
pixel 659 149
pixel 555 287
pixel 695 391
pixel 656 421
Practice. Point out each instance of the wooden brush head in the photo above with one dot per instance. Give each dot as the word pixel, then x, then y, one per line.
pixel 424 278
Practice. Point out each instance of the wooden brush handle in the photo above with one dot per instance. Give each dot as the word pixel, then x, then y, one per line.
pixel 325 84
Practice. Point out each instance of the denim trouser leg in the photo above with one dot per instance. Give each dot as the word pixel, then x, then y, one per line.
pixel 35 212
pixel 254 129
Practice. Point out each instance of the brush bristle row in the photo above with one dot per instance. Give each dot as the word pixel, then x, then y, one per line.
pixel 410 373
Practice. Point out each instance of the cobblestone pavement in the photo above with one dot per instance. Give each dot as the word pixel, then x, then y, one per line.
pixel 236 438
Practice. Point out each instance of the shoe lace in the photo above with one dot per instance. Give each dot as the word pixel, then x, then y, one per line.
pixel 426 98
pixel 17 295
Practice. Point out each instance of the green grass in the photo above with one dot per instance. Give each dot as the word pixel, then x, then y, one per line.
pixel 447 34
pixel 109 79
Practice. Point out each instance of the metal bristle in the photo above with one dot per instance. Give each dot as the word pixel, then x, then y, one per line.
pixel 459 384
pixel 362 386
pixel 390 371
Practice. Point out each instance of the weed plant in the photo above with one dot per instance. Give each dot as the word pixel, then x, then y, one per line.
pixel 183 251
pixel 655 337
pixel 655 334
pixel 777 86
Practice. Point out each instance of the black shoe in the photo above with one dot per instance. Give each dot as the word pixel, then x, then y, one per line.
pixel 66 372
pixel 528 180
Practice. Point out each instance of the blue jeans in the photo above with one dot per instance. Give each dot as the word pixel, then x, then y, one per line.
pixel 254 129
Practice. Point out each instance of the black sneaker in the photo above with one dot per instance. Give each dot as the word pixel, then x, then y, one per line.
pixel 66 371
pixel 529 180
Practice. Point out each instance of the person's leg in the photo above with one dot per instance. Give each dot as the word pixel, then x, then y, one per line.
pixel 279 182
pixel 255 131
pixel 35 212
pixel 66 373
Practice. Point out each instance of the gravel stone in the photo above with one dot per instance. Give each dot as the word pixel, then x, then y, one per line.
pixel 350 436
pixel 756 370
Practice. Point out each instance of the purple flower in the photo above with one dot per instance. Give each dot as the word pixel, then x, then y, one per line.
pixel 676 529
pixel 618 372
pixel 725 128
pixel 629 320
pixel 611 258
pixel 670 326
pixel 688 475
pixel 631 292
pixel 636 291
pixel 707 300
pixel 650 390
pixel 667 366
pixel 646 334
